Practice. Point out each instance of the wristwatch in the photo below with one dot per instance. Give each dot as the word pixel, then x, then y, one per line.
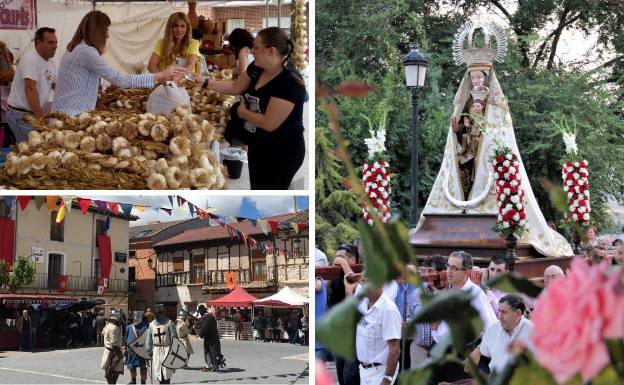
pixel 389 378
pixel 205 85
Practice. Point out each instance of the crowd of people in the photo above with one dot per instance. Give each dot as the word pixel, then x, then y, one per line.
pixel 269 120
pixel 50 328
pixel 294 328
pixel 383 345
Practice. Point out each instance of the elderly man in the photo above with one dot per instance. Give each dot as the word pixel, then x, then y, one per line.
pixel 551 273
pixel 23 325
pixel 377 339
pixel 32 83
pixel 511 327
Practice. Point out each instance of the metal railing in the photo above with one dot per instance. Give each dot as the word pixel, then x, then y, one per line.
pixel 75 283
pixel 218 277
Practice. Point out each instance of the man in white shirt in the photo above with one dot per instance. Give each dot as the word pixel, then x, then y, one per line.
pixel 377 339
pixel 32 83
pixel 459 267
pixel 511 327
pixel 458 270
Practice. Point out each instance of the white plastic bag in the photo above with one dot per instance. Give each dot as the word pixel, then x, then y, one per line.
pixel 166 98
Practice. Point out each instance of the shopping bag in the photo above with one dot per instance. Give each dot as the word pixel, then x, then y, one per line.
pixel 166 98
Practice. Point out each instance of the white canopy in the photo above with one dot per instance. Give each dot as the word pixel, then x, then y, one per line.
pixel 284 298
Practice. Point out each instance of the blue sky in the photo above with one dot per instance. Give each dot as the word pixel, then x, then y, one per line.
pixel 242 206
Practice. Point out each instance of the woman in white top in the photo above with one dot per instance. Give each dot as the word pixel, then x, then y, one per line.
pixel 241 41
pixel 82 66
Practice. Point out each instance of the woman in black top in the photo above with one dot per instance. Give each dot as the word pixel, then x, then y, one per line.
pixel 272 111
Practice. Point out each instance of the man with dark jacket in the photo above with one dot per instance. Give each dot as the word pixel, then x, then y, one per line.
pixel 207 329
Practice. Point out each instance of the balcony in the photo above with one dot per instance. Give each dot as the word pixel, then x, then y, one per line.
pixel 214 279
pixel 75 283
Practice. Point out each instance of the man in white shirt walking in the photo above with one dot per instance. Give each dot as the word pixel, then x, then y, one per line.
pixel 32 83
pixel 511 327
pixel 377 339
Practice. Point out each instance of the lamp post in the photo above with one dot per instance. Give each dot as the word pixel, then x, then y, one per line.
pixel 415 64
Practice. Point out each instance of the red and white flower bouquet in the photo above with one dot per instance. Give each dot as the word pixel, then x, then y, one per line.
pixel 509 192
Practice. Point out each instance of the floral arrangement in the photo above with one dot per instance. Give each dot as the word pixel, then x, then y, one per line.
pixel 376 173
pixel 575 180
pixel 590 302
pixel 511 215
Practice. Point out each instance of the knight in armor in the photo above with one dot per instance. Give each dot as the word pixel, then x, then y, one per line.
pixel 183 333
pixel 207 329
pixel 113 356
pixel 160 336
pixel 134 361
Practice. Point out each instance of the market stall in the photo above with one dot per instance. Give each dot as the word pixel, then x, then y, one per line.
pixel 11 306
pixel 281 306
pixel 226 307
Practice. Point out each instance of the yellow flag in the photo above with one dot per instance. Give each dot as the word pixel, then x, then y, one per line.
pixel 61 213
pixel 140 208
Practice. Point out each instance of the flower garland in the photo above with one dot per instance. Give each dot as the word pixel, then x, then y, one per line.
pixel 511 215
pixel 575 182
pixel 376 173
pixel 376 178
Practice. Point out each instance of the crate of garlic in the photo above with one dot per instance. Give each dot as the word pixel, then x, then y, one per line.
pixel 119 146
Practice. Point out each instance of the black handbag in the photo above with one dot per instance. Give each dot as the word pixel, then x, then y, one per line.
pixel 235 132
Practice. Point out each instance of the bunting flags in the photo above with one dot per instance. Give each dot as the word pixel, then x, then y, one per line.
pixel 67 200
pixel 295 227
pixel 103 206
pixel 274 226
pixel 191 208
pixel 9 200
pixel 126 208
pixel 141 208
pixel 264 226
pixel 39 201
pixel 170 200
pixel 84 204
pixel 23 201
pixel 51 202
pixel 168 211
pixel 113 207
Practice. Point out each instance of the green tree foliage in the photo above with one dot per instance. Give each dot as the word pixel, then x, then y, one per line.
pixel 365 40
pixel 4 272
pixel 22 273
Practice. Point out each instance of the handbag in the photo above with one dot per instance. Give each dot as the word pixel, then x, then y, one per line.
pixel 235 132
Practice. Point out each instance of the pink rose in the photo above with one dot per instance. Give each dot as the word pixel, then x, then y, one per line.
pixel 574 316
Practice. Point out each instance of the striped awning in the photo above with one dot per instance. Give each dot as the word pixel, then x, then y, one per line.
pixel 17 301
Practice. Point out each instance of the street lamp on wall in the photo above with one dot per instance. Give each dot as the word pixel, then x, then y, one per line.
pixel 415 64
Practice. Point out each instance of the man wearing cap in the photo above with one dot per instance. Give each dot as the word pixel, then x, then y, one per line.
pixel 377 339
pixel 134 331
pixel 112 358
pixel 183 334
pixel 160 335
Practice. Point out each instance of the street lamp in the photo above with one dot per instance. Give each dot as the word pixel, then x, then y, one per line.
pixel 415 64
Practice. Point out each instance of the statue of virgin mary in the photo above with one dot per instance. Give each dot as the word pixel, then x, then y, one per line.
pixel 481 118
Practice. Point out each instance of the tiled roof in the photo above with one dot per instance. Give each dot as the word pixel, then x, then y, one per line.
pixel 219 232
pixel 151 229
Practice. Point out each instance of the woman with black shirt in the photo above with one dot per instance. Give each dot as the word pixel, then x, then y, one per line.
pixel 272 111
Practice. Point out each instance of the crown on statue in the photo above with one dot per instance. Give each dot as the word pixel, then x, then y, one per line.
pixel 480 93
pixel 473 55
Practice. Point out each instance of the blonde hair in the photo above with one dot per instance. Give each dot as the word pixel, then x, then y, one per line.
pixel 92 30
pixel 168 47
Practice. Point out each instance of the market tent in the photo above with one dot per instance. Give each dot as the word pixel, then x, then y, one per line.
pixel 17 301
pixel 284 298
pixel 134 31
pixel 237 298
pixel 82 305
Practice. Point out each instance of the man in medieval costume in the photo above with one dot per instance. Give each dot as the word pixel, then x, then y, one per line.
pixel 208 330
pixel 183 333
pixel 160 335
pixel 134 361
pixel 113 356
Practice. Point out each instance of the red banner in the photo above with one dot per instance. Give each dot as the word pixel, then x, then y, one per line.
pixel 7 240
pixel 17 14
pixel 106 255
pixel 62 283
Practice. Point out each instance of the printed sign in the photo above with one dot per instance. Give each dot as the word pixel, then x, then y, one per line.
pixel 16 14
pixel 37 254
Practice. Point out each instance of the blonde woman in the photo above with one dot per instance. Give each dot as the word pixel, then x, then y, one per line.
pixel 177 47
pixel 82 66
